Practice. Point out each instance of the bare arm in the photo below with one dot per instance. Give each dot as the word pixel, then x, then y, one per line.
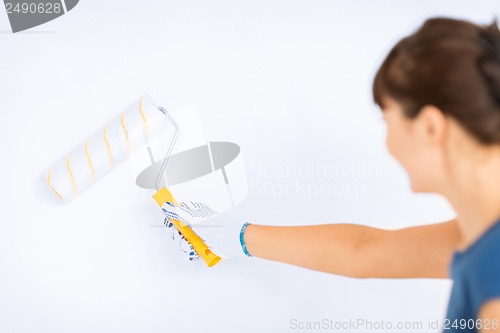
pixel 359 251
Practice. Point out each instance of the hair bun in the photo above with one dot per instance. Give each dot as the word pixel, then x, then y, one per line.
pixel 489 63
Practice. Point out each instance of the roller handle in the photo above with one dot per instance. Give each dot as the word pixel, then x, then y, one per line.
pixel 211 259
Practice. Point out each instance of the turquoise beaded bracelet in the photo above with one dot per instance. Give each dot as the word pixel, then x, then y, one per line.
pixel 242 239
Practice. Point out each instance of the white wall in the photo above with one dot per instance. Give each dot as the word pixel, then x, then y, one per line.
pixel 289 81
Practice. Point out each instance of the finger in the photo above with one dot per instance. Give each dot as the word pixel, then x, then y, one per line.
pixel 171 204
pixel 178 238
pixel 186 247
pixel 170 229
pixel 191 256
pixel 189 251
pixel 174 215
pixel 196 209
pixel 168 223
pixel 189 212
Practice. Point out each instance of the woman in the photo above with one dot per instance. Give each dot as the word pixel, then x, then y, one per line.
pixel 439 91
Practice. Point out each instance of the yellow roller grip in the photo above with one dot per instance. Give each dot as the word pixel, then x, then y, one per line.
pixel 210 258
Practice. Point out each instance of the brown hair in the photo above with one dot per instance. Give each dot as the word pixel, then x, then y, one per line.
pixel 451 64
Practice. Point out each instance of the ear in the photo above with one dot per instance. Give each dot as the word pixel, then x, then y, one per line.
pixel 432 124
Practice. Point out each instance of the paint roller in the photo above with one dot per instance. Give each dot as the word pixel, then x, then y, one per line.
pixel 131 129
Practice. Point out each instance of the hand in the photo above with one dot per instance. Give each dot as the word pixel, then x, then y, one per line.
pixel 222 234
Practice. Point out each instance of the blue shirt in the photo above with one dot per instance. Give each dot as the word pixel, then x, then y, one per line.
pixel 476 279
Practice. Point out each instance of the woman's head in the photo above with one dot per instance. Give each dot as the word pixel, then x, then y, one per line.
pixel 439 90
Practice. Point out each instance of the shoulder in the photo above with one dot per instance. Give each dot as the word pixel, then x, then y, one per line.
pixel 483 274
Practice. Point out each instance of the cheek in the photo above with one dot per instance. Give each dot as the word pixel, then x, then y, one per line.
pixel 394 142
pixel 414 158
pixel 401 147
